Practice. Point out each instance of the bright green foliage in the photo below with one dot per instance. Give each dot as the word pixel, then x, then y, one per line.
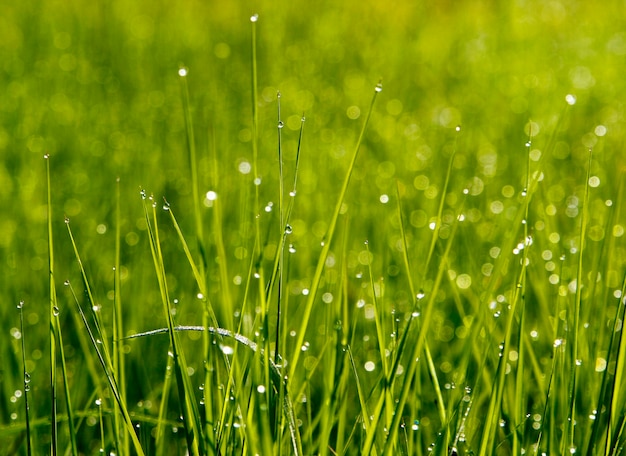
pixel 224 237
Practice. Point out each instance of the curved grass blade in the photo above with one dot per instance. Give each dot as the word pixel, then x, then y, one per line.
pixel 276 375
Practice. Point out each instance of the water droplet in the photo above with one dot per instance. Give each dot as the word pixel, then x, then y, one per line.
pixel 528 143
pixel 20 304
pixel 55 311
pixel 260 389
pixel 142 192
pixel 305 346
pixel 26 378
pixel 570 99
pixel 280 124
pixel 254 18
pixel 292 193
pixel 379 86
pixel 292 249
pixel 302 119
pixel 98 402
pixel 288 229
pixel 182 72
pixel 458 128
pixel 46 156
pixel 67 220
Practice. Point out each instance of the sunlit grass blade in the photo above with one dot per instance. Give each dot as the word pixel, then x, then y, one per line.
pixel 119 359
pixel 191 149
pixel 275 372
pixel 415 298
pixel 617 411
pixel 199 272
pixel 414 354
pixel 435 236
pixel 53 304
pixel 493 414
pixel 189 407
pixel 308 307
pixel 56 339
pixel 569 438
pixel 209 318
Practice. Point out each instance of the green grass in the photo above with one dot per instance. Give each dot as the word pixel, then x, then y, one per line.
pixel 253 248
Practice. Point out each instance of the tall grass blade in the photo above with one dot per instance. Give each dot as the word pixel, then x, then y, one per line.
pixel 189 408
pixel 308 307
pixel 26 378
pixel 54 329
pixel 574 364
pixel 414 354
pixel 119 364
pixel 66 383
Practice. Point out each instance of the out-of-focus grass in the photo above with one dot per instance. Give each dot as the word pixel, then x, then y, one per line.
pixel 96 87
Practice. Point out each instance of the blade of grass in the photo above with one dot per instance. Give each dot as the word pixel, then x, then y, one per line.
pixel 569 436
pixel 66 385
pixel 119 363
pixel 189 408
pixel 54 329
pixel 415 353
pixel 56 338
pixel 226 304
pixel 409 275
pixel 519 413
pixel 495 404
pixel 616 404
pixel 26 379
pixel 327 242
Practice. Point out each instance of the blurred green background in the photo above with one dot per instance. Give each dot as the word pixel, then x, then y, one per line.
pixel 95 85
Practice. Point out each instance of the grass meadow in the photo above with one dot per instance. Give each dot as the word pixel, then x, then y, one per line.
pixel 312 227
